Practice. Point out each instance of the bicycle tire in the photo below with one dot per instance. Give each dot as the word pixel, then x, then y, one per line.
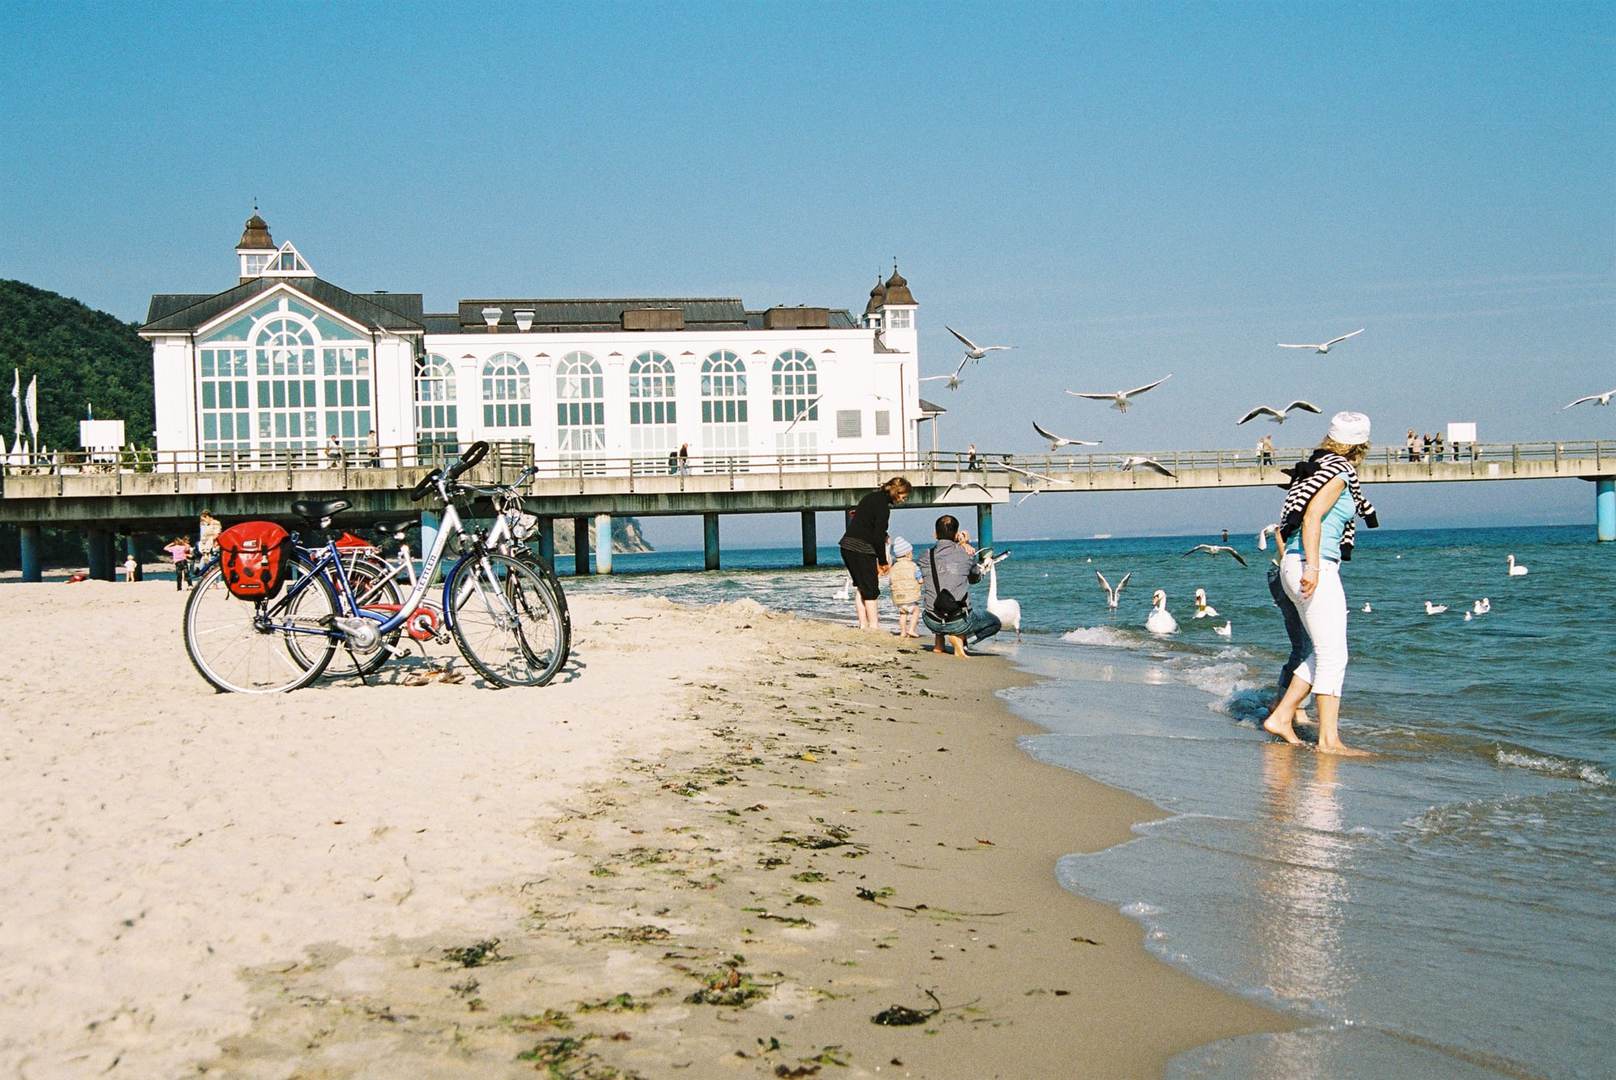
pixel 223 612
pixel 507 627
pixel 558 594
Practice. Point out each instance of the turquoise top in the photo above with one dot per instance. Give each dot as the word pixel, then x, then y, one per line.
pixel 1330 529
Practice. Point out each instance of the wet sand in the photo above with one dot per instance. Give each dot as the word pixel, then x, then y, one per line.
pixel 720 848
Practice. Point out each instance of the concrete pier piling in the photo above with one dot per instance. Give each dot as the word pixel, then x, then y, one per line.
pixel 1605 508
pixel 709 540
pixel 603 543
pixel 580 546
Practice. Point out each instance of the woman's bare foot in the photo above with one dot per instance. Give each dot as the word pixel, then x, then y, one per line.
pixel 1281 729
pixel 1343 750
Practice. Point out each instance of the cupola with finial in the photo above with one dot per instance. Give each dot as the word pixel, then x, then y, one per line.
pixel 897 315
pixel 872 310
pixel 257 247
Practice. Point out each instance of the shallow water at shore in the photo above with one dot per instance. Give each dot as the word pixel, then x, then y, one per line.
pixel 1440 909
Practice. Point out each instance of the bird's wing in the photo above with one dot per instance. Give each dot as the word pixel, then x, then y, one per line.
pixel 1344 337
pixel 1236 556
pixel 1092 397
pixel 996 348
pixel 1198 547
pixel 1153 464
pixel 1049 435
pixel 1032 475
pixel 1104 584
pixel 1282 345
pixel 963 340
pixel 1305 406
pixel 1579 401
pixel 1124 580
pixel 1147 386
pixel 1261 410
pixel 934 378
pixel 962 363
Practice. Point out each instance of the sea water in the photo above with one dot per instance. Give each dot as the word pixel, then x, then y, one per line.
pixel 1444 908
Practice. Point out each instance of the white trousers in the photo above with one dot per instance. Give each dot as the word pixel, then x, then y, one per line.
pixel 1325 616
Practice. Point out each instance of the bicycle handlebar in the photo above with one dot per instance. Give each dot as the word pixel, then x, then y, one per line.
pixel 424 486
pixel 468 461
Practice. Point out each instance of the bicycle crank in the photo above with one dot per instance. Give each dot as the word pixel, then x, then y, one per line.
pixel 362 635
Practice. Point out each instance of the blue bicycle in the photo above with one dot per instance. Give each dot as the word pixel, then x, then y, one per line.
pixel 502 613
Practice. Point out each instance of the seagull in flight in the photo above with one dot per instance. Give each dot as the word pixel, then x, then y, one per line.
pixel 1278 415
pixel 1597 399
pixel 1042 481
pixel 973 351
pixel 1058 441
pixel 1128 464
pixel 1217 549
pixel 954 379
pixel 802 413
pixel 1113 592
pixel 1119 398
pixel 1324 348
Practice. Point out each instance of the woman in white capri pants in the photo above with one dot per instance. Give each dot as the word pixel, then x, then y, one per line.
pixel 1325 499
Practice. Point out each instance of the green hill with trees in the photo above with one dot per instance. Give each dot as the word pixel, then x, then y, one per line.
pixel 82 357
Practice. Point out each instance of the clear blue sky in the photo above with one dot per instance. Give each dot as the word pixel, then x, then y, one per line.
pixel 1121 190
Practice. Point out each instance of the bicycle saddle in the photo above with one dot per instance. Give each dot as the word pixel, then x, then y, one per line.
pixel 315 509
pixel 387 529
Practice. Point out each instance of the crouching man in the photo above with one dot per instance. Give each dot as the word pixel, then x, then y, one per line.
pixel 947 572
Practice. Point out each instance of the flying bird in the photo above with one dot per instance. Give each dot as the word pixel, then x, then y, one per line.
pixel 953 380
pixel 1058 441
pixel 1128 464
pixel 1119 398
pixel 1217 549
pixel 1324 348
pixel 973 351
pixel 1278 415
pixel 1043 481
pixel 1113 592
pixel 802 413
pixel 1597 399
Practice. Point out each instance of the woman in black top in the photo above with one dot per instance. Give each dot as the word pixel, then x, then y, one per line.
pixel 864 547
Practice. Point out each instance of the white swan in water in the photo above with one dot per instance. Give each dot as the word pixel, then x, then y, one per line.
pixel 1516 570
pixel 1434 609
pixel 1468 616
pixel 1204 610
pixel 846 591
pixel 1007 611
pixel 1160 620
pixel 1226 630
pixel 1482 606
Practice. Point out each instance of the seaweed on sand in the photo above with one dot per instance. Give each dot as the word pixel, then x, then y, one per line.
pixel 728 985
pixel 475 955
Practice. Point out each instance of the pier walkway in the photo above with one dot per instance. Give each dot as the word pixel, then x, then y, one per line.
pixel 164 493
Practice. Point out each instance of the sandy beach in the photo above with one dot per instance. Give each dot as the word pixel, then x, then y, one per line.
pixel 720 847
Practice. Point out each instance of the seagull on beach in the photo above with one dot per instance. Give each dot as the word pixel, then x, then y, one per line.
pixel 1128 464
pixel 1516 570
pixel 1434 609
pixel 1597 399
pixel 1325 347
pixel 1217 549
pixel 1278 415
pixel 1119 398
pixel 1058 441
pixel 1113 592
pixel 973 351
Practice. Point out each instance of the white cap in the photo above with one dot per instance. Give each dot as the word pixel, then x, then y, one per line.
pixel 901 547
pixel 1349 428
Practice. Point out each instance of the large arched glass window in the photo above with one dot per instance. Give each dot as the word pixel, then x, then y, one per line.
pixel 437 420
pixel 795 385
pixel 724 439
pixel 285 355
pixel 507 396
pixel 652 412
pixel 581 411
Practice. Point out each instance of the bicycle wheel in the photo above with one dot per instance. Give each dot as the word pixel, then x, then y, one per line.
pixel 505 620
pixel 557 594
pixel 373 587
pixel 244 646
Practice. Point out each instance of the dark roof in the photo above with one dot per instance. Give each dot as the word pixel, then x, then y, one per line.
pixel 931 408
pixel 255 236
pixel 897 289
pixel 878 296
pixel 839 319
pixel 182 312
pixel 568 316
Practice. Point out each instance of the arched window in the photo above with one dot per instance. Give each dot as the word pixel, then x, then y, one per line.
pixel 507 395
pixel 796 403
pixel 652 412
pixel 581 411
pixel 723 412
pixel 437 421
pixel 285 354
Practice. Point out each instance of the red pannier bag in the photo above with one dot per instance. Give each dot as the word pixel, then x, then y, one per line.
pixel 254 557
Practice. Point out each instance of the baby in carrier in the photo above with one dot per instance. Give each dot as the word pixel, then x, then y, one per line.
pixel 904 581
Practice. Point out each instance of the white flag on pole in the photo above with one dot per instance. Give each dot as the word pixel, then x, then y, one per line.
pixel 16 400
pixel 33 408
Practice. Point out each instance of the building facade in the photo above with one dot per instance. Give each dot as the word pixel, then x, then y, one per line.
pixel 267 372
